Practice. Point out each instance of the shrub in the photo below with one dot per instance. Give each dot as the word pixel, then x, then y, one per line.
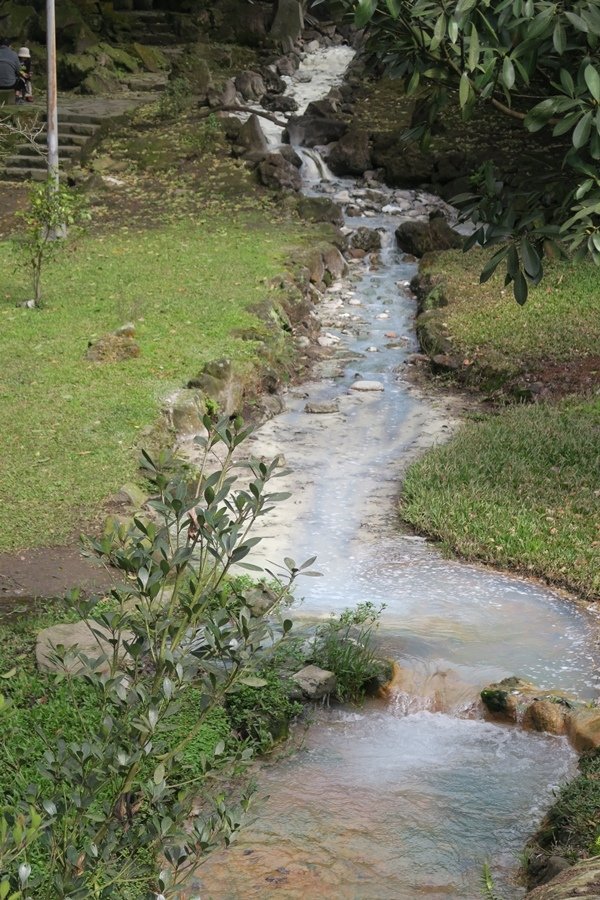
pixel 344 645
pixel 110 800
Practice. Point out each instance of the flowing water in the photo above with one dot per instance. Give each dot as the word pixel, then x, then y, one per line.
pixel 405 797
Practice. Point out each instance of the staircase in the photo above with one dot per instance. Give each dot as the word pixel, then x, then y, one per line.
pixel 73 134
pixel 152 27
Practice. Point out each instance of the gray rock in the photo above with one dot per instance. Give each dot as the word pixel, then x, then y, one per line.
pixel 278 173
pixel 320 209
pixel 219 382
pixel 76 635
pixel 367 386
pixel 351 155
pixel 250 85
pixel 279 103
pixel 366 239
pixel 186 412
pixel 287 65
pixel 420 238
pixel 251 136
pixel 315 683
pixel 334 262
pixel 321 408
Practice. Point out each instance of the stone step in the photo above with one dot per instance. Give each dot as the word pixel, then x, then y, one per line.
pixel 27 161
pixel 65 138
pixel 66 150
pixel 20 173
pixel 166 39
pixel 79 118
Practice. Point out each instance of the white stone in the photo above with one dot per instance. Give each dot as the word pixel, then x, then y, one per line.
pixel 367 386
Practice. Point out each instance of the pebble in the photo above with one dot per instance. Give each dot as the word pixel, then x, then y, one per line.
pixel 383 316
pixel 354 302
pixel 372 350
pixel 367 386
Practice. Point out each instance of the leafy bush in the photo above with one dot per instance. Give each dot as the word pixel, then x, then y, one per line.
pixel 262 713
pixel 344 646
pixel 109 800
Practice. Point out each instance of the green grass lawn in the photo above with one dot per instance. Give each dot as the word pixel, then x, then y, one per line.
pixel 520 489
pixel 559 323
pixel 69 428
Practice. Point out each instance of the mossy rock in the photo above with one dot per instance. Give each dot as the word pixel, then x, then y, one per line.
pixel 319 209
pixel 151 58
pixel 194 69
pixel 101 81
pixel 73 68
pixel 16 21
pixel 120 58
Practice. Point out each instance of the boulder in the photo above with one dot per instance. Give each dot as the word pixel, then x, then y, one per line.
pixel 218 381
pixel 278 173
pixel 274 83
pixel 543 715
pixel 186 412
pixel 315 683
pixel 419 238
pixel 352 154
pixel 151 58
pixel 290 154
pixel 79 637
pixel 502 698
pixel 251 138
pixel 226 96
pixel 100 81
pixel 289 23
pixel 250 85
pixel 579 880
pixel 583 728
pixel 279 103
pixel 366 239
pixel 287 65
pixel 310 131
pixel 320 209
pixel 334 262
pixel 405 164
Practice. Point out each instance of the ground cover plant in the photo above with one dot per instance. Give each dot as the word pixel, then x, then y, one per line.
pixel 518 489
pixel 111 754
pixel 570 829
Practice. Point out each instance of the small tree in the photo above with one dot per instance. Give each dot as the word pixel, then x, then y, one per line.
pixel 117 795
pixel 50 212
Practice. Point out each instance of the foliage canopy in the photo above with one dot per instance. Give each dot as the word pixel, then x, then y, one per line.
pixel 533 60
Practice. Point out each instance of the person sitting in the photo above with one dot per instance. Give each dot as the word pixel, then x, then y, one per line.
pixel 24 89
pixel 10 66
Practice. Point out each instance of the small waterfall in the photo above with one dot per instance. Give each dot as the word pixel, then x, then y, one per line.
pixel 314 168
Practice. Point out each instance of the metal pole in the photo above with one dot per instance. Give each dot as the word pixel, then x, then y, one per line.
pixel 52 114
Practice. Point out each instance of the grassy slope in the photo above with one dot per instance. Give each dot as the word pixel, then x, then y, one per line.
pixel 520 490
pixel 559 323
pixel 68 427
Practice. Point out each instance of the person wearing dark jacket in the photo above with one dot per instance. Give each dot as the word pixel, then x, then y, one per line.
pixel 10 66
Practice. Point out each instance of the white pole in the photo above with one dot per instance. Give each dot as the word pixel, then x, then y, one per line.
pixel 52 115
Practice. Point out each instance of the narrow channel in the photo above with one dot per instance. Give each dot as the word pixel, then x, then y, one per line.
pixel 406 797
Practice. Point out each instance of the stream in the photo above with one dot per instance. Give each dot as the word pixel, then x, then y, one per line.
pixel 405 797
